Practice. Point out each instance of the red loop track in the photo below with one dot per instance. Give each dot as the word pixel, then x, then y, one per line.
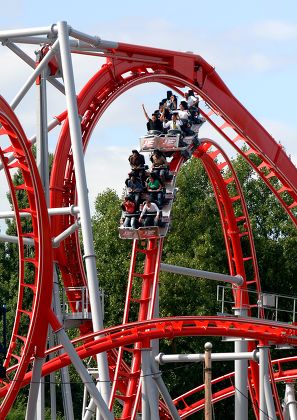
pixel 128 66
pixel 35 264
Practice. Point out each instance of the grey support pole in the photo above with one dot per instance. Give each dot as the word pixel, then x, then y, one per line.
pixel 83 201
pixel 267 409
pixel 241 373
pixel 263 361
pixel 66 388
pixel 145 405
pixel 150 408
pixel 39 414
pixel 164 392
pixel 89 410
pixel 34 76
pixel 200 357
pixel 291 404
pixel 207 382
pixel 85 376
pixel 175 269
pixel 20 53
pixel 43 169
pixel 269 397
pixel 48 30
pixel 42 134
pixel 34 388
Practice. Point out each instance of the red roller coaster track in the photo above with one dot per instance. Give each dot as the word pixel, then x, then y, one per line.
pixel 126 67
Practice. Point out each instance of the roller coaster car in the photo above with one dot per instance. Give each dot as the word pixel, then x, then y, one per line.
pixel 140 233
pixel 169 142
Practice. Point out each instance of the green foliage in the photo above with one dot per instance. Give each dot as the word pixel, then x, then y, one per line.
pixel 195 240
pixel 113 255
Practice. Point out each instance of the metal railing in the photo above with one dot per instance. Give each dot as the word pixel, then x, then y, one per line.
pixel 276 307
pixel 76 303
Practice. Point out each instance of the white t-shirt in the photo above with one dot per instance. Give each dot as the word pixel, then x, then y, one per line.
pixel 170 125
pixel 191 100
pixel 183 115
pixel 153 209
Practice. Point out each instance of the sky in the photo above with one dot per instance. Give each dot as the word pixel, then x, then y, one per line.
pixel 252 45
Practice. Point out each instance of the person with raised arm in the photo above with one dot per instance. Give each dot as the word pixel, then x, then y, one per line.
pixel 153 124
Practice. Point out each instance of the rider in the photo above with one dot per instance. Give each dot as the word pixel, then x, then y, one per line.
pixel 159 164
pixel 155 188
pixel 174 124
pixel 135 188
pixel 153 123
pixel 150 213
pixel 137 163
pixel 130 213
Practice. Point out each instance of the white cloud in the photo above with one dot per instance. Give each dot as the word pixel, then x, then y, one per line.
pixel 274 30
pixel 248 48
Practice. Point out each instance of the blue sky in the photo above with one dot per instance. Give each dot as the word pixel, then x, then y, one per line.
pixel 253 46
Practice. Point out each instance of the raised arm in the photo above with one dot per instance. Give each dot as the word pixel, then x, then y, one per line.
pixel 145 113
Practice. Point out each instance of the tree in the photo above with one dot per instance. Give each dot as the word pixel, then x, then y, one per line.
pixel 195 240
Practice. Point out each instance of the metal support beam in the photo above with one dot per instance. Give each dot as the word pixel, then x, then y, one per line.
pixel 150 406
pixel 263 373
pixel 241 397
pixel 83 201
pixel 27 59
pixel 47 30
pixel 83 373
pixel 169 268
pixel 42 163
pixel 15 239
pixel 200 357
pixel 31 80
pixel 67 232
pixel 164 392
pixel 290 401
pixel 73 210
pixel 66 388
pixel 39 414
pixel 34 388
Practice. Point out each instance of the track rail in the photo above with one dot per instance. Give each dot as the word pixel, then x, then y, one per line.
pixel 91 106
pixel 124 335
pixel 35 264
pixel 126 67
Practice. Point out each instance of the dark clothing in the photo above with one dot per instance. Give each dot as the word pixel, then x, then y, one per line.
pixel 137 161
pixel 135 189
pixel 135 186
pixel 154 125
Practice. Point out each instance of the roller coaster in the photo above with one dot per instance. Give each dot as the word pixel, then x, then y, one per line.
pixel 59 241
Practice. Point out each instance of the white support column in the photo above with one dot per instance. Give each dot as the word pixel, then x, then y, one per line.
pixel 66 388
pixel 85 376
pixel 263 361
pixel 83 201
pixel 53 395
pixel 164 392
pixel 89 410
pixel 39 414
pixel 169 268
pixel 145 404
pixel 34 388
pixel 269 397
pixel 291 404
pixel 31 80
pixel 267 408
pixel 43 169
pixel 207 381
pixel 241 373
